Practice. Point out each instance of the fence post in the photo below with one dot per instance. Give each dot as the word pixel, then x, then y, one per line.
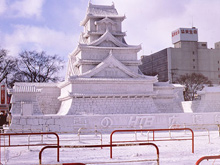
pixel 0 149
pixel 111 144
pixel 153 135
pixel 218 130
pixel 28 141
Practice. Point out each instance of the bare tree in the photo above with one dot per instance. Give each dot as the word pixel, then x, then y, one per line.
pixel 7 67
pixel 35 66
pixel 193 82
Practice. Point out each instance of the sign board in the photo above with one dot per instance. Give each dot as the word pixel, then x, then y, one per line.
pixel 4 104
pixel 3 94
pixel 185 34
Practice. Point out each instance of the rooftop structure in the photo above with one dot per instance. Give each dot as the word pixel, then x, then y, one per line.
pixel 184 34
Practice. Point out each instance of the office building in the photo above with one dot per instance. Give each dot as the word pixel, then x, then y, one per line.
pixel 187 56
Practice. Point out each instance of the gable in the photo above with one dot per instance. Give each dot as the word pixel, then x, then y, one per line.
pixel 105 20
pixel 106 37
pixel 111 72
pixel 107 44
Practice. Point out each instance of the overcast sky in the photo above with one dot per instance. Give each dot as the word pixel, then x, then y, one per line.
pixel 53 25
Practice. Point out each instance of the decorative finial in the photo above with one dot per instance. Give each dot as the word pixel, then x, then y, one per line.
pixel 89 3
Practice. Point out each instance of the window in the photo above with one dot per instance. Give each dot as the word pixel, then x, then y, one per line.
pixel 193 52
pixel 193 60
pixel 194 67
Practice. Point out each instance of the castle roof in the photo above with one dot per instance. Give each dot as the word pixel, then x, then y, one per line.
pixel 101 10
pixel 25 89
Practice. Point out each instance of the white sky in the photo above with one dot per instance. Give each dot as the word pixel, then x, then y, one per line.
pixel 53 25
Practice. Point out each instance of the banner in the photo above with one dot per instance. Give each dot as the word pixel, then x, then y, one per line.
pixel 3 93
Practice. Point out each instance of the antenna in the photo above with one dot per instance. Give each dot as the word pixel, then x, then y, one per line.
pixel 192 21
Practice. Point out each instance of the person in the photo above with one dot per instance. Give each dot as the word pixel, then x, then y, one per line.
pixel 8 120
pixel 2 121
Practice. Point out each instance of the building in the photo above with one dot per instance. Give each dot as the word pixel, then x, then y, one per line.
pixel 187 56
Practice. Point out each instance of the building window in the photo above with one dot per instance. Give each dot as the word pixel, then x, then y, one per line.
pixel 194 67
pixel 218 62
pixel 193 60
pixel 203 44
pixel 193 52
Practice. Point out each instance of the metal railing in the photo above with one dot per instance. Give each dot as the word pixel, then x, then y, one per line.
pixel 95 131
pixel 198 127
pixel 154 139
pixel 208 158
pixel 28 134
pixel 107 145
pixel 184 125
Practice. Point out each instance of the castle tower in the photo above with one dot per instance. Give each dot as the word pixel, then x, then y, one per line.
pixel 102 75
pixel 102 35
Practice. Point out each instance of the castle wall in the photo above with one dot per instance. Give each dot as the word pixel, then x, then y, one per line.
pixel 111 105
pixel 108 123
pixel 46 99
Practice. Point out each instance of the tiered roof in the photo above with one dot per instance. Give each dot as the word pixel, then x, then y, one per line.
pixel 100 10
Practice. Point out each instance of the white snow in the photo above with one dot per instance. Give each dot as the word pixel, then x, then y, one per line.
pixel 171 152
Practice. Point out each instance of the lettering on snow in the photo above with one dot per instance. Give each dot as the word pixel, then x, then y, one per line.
pixel 145 121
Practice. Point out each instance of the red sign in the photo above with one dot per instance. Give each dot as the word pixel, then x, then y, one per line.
pixel 189 31
pixel 3 94
pixel 175 33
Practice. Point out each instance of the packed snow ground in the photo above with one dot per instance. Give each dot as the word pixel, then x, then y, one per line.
pixel 170 152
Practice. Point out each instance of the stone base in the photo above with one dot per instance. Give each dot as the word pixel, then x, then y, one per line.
pixel 108 123
pixel 108 105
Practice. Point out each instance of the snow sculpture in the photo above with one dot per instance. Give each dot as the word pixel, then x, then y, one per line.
pixel 102 75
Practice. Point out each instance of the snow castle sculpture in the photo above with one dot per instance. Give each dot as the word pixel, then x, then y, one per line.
pixel 102 75
pixel 103 85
